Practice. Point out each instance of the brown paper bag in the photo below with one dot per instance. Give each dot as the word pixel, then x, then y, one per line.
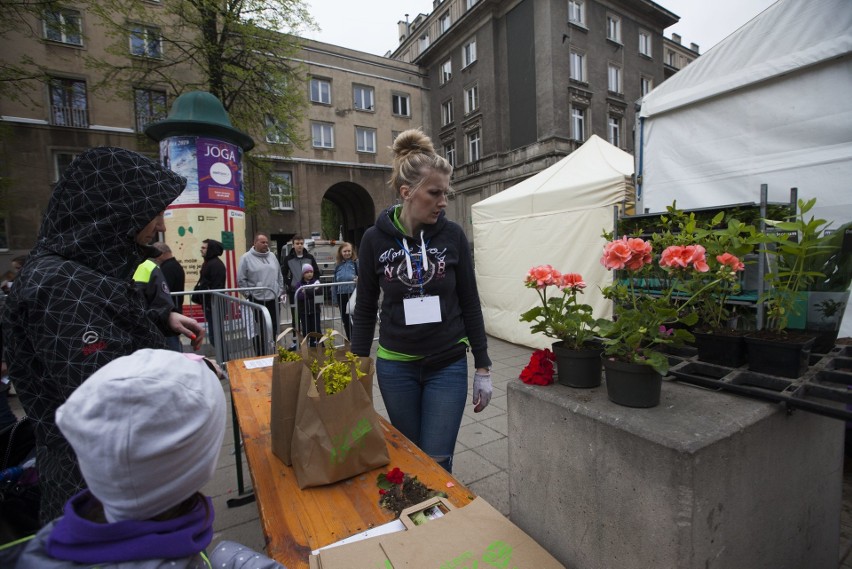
pixel 311 353
pixel 286 378
pixel 336 436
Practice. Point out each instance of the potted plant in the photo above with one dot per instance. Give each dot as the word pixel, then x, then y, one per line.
pixel 727 241
pixel 828 294
pixel 778 349
pixel 648 315
pixel 570 322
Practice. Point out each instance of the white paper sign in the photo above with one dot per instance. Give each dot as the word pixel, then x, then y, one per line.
pixel 422 310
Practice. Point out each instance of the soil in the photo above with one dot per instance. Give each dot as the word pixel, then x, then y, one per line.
pixel 409 493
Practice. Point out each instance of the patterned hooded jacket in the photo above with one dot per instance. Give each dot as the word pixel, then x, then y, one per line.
pixel 73 307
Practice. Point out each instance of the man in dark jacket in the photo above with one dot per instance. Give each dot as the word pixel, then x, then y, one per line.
pixel 173 273
pixel 212 277
pixel 73 307
pixel 292 269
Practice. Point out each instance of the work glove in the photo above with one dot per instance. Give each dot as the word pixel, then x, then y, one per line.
pixel 482 389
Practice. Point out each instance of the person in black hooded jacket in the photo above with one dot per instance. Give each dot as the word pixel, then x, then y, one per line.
pixel 74 306
pixel 430 310
pixel 212 277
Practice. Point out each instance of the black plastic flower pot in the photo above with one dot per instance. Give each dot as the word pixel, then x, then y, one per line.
pixel 577 368
pixel 783 355
pixel 727 349
pixel 632 384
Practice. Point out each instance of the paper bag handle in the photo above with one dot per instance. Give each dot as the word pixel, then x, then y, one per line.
pixel 282 335
pixel 405 515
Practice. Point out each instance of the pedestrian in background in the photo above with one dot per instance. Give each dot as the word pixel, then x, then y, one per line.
pixel 430 309
pixel 151 285
pixel 309 312
pixel 73 309
pixel 211 277
pixel 345 271
pixel 259 268
pixel 292 268
pixel 173 272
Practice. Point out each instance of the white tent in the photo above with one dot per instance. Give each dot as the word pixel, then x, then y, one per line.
pixel 770 104
pixel 553 218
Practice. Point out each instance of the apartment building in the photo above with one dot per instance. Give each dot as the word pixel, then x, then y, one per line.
pixel 357 102
pixel 515 85
pixel 504 87
pixel 676 56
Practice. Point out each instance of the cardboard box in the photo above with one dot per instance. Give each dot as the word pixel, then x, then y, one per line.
pixel 458 538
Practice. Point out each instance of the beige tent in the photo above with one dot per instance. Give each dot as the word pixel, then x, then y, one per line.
pixel 553 218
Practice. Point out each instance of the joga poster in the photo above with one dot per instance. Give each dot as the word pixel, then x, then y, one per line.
pixel 212 168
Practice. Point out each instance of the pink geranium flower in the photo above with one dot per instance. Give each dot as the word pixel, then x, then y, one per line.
pixel 731 261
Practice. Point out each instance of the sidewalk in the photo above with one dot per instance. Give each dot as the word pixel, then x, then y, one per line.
pixel 481 460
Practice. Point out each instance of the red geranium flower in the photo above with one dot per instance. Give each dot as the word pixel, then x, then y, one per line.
pixel 540 369
pixel 395 476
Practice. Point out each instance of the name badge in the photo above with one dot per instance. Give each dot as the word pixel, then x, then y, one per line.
pixel 422 310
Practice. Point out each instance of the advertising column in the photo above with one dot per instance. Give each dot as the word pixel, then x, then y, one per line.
pixel 198 142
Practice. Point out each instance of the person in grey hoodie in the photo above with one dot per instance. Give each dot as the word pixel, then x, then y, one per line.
pixel 260 268
pixel 147 430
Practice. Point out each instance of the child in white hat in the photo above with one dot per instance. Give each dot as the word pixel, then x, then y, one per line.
pixel 147 430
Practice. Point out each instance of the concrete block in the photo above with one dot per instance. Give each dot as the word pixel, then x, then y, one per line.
pixel 705 480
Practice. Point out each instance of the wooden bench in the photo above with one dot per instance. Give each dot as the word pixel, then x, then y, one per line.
pixel 296 522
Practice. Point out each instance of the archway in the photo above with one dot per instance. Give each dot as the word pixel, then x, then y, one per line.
pixel 356 208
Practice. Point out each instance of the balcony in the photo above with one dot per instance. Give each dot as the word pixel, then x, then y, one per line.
pixel 69 116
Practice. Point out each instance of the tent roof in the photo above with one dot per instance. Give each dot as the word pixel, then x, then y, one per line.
pixel 789 35
pixel 592 175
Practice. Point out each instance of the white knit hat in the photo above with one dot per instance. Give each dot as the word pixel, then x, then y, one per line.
pixel 147 429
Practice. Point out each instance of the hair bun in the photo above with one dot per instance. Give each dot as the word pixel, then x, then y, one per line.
pixel 412 141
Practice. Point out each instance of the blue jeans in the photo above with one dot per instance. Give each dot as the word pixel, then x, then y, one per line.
pixel 425 406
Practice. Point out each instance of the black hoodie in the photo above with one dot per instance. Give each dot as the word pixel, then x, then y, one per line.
pixel 73 307
pixel 449 275
pixel 213 273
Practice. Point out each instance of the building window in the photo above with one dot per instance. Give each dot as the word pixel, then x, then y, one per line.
pixel 670 57
pixel 362 98
pixel 450 153
pixel 444 22
pixel 401 104
pixel 474 146
pixel 645 85
pixel 446 71
pixel 61 161
pixel 322 134
pixel 281 191
pixel 613 28
pixel 468 53
pixel 576 12
pixel 424 42
pixel 577 62
pixel 471 99
pixel 578 123
pixel 64 26
pixel 470 4
pixel 447 112
pixel 645 43
pixel 275 131
pixel 613 78
pixel 145 41
pixel 614 131
pixel 150 106
pixel 68 105
pixel 365 139
pixel 320 91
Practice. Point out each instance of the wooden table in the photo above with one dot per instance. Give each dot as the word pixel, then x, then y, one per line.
pixel 296 522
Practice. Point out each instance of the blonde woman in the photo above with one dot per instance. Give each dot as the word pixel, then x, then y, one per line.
pixel 430 313
pixel 345 271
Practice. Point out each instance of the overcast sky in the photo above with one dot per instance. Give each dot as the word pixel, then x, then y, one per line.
pixel 371 25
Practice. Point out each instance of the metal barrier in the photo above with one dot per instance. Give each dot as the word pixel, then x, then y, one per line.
pixel 327 305
pixel 238 328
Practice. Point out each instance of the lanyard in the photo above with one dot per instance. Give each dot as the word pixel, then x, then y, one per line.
pixel 413 265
